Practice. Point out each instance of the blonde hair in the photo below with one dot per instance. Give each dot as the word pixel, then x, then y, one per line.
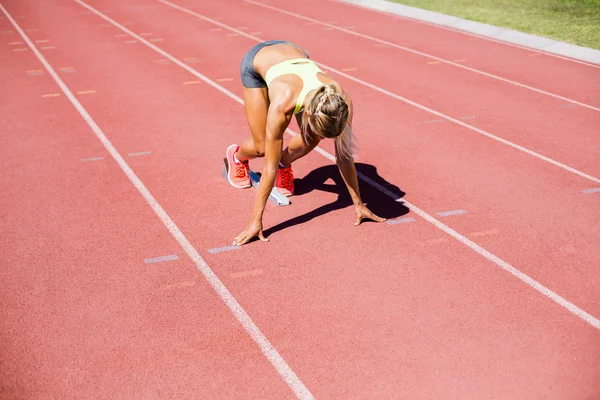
pixel 329 119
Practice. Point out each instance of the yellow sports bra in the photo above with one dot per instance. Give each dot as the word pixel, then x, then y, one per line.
pixel 306 69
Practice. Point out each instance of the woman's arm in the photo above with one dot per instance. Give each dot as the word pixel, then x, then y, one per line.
pixel 278 120
pixel 348 172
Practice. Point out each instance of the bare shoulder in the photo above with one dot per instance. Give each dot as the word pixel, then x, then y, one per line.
pixel 281 96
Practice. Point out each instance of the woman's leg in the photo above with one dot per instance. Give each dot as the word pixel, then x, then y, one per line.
pixel 297 148
pixel 256 104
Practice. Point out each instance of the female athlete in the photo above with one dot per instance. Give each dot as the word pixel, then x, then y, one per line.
pixel 281 81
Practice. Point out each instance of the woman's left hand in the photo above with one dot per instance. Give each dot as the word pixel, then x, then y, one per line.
pixel 363 212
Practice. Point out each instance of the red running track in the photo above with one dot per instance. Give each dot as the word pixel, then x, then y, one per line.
pixel 376 311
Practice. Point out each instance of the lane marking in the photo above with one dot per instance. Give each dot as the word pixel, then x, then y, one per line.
pixel 465 125
pixel 161 62
pixel 403 99
pixel 592 190
pixel 240 314
pixel 156 40
pixel 139 153
pixel 243 274
pixel 42 41
pixel 433 121
pixel 145 34
pixel 471 36
pixel 191 82
pixel 349 69
pixel 459 61
pixel 48 47
pixel 36 72
pixel 20 49
pixel 223 249
pixel 91 159
pixel 432 62
pixel 399 220
pixel 67 70
pixel 456 64
pixel 469 117
pixel 327 28
pixel 121 35
pixel 488 232
pixel 50 95
pixel 567 106
pixel 282 368
pixel 179 285
pixel 449 213
pixel 14 43
pixel 86 92
pixel 224 79
pixel 153 260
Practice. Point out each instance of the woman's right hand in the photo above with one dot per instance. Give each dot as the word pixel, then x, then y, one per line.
pixel 253 229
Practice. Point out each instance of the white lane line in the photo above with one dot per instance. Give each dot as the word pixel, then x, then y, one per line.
pixel 223 249
pixel 464 240
pixel 403 99
pixel 474 36
pixel 592 190
pixel 153 260
pixel 91 159
pixel 454 63
pixel 453 212
pixel 140 153
pixel 240 314
pixel 404 220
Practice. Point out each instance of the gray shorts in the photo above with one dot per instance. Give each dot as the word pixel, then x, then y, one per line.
pixel 250 78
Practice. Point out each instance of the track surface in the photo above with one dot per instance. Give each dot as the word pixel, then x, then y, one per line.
pixel 377 311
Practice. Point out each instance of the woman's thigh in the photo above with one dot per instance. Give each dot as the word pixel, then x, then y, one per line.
pixel 256 105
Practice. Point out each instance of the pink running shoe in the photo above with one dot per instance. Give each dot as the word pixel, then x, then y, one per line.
pixel 285 180
pixel 237 172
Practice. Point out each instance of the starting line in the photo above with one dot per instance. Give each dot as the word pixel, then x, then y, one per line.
pixel 275 196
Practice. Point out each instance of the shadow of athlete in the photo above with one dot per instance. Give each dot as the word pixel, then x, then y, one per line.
pixel 380 203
